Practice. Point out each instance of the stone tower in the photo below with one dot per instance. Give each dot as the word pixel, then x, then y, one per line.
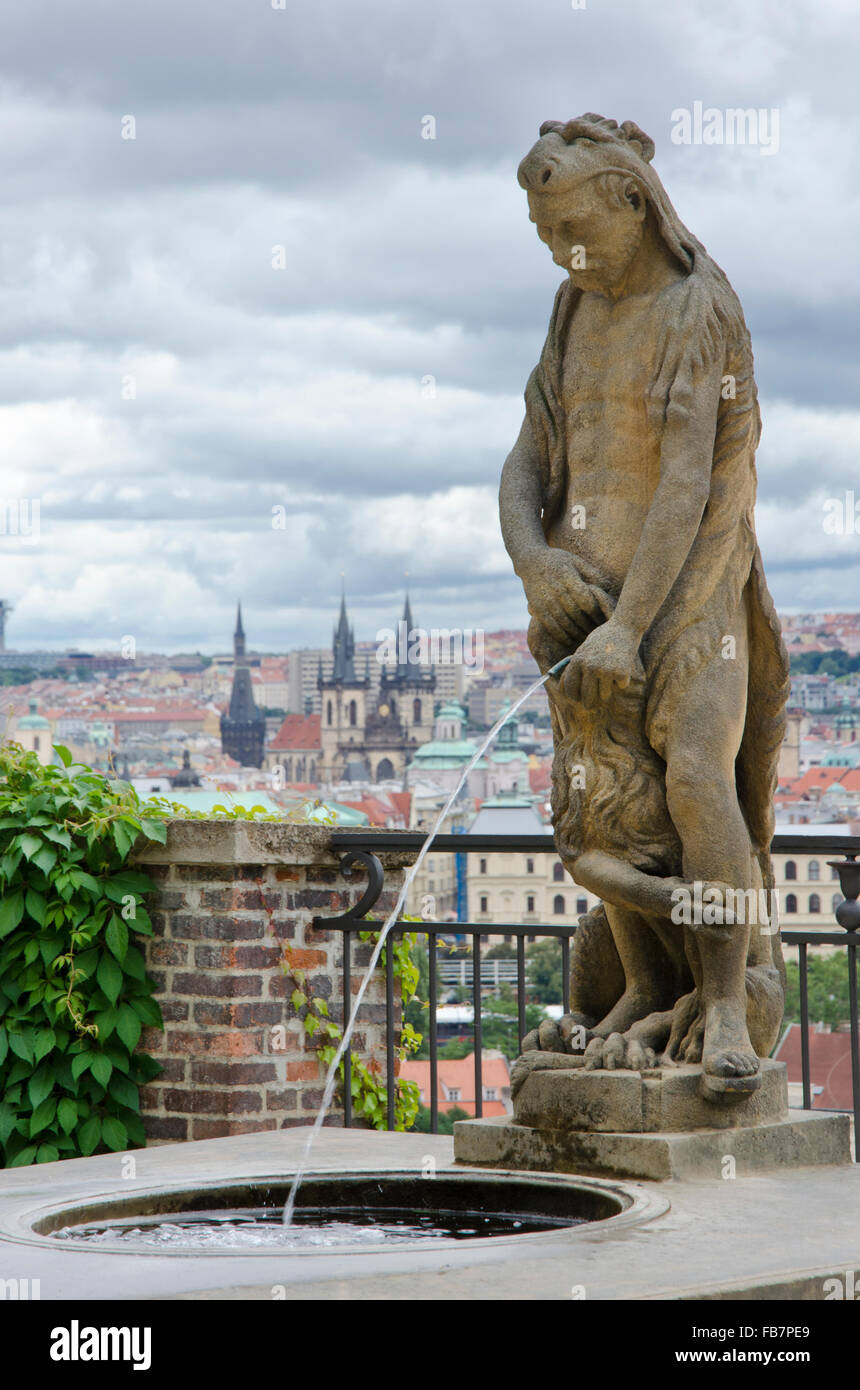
pixel 243 727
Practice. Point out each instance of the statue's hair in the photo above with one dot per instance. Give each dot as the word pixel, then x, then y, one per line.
pixel 593 127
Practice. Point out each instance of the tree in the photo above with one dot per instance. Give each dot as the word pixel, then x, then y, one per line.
pixel 447 1119
pixel 828 990
pixel 543 971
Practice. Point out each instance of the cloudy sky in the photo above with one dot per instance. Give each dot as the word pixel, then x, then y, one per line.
pixel 237 316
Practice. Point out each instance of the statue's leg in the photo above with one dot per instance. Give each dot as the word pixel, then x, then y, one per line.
pixel 704 739
pixel 648 973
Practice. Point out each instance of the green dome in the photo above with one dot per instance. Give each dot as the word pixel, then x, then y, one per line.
pixel 33 720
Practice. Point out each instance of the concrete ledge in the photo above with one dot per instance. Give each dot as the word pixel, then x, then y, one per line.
pixel 250 842
pixel 802 1141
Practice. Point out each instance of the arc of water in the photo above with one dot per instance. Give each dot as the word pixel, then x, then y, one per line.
pixel 331 1077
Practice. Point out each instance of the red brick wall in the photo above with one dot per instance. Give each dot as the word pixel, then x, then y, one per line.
pixel 230 897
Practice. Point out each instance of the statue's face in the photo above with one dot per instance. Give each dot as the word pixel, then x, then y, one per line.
pixel 594 239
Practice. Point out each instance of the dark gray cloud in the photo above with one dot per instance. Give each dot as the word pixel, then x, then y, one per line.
pixel 372 386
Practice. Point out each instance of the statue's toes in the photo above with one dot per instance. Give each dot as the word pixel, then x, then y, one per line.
pixel 530 1042
pixel 549 1039
pixel 574 1033
pixel 639 1058
pixel 614 1052
pixel 594 1054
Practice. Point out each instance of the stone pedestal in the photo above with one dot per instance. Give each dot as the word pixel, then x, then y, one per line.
pixel 651 1125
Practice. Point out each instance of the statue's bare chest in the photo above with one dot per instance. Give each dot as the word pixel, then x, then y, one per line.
pixel 609 361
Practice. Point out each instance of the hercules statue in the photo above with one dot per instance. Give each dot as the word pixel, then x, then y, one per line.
pixel 627 509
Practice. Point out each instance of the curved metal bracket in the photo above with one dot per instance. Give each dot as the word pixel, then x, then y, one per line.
pixel 375 885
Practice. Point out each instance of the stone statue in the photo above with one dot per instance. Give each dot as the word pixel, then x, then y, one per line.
pixel 627 509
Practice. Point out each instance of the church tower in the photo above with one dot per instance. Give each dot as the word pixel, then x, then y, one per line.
pixel 243 727
pixel 344 707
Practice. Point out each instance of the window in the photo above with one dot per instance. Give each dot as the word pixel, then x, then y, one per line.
pixel 483 904
pixel 35 743
pixel 454 1093
pixel 835 901
pixel 582 905
pixel 530 866
pixel 328 718
pixel 791 903
pixel 814 872
pixel 416 711
pixel 791 870
pixel 834 872
pixel 814 903
pixel 530 903
pixel 558 873
pixel 353 713
pixel 490 1093
pixel 558 905
pixel 482 866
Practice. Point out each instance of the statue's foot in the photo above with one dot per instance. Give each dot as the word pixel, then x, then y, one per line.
pixel 570 1034
pixel 632 1007
pixel 617 1053
pixel 729 1062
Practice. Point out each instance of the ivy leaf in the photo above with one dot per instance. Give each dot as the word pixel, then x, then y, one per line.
pixel 64 754
pixel 58 835
pixel 124 1091
pixel 11 912
pixel 45 859
pixel 40 1085
pixel 101 1068
pixel 123 837
pixel 22 1045
pixel 116 937
pixel 29 844
pixel 7 1121
pixel 147 1010
pixel 4 1044
pixel 48 1153
pixel 45 1041
pixel 42 1116
pixel 67 1114
pixel 109 977
pixel 23 1157
pixel 128 1027
pixel 114 1133
pixel 89 1135
pixel 80 1062
pixel 154 830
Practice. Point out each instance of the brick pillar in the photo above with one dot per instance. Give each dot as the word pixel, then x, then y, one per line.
pixel 231 896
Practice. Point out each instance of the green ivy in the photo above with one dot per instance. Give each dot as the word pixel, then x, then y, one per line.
pixel 74 993
pixel 368 1086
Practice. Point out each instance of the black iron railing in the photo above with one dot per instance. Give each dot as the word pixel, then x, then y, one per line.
pixel 360 848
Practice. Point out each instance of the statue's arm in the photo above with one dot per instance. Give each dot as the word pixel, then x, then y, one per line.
pixel 521 499
pixel 672 523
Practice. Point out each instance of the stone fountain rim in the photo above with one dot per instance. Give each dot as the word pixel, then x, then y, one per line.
pixel 638 1206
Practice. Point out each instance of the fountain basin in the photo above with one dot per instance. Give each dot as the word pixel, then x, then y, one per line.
pixel 335 1211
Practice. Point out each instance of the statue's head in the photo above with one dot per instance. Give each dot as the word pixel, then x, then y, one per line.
pixel 590 186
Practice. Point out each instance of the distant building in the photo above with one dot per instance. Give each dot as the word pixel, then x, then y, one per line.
pixel 243 727
pixel 455 1082
pixel 33 732
pixel 366 734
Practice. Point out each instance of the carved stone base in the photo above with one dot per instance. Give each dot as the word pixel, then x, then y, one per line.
pixel 652 1125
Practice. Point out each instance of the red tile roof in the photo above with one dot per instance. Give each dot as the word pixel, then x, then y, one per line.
pixel 817 779
pixel 458 1073
pixel 298 731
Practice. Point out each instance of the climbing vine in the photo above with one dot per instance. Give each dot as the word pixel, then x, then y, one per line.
pixel 368 1086
pixel 74 994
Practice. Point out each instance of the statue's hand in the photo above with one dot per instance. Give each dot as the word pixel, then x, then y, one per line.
pixel 558 596
pixel 607 660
